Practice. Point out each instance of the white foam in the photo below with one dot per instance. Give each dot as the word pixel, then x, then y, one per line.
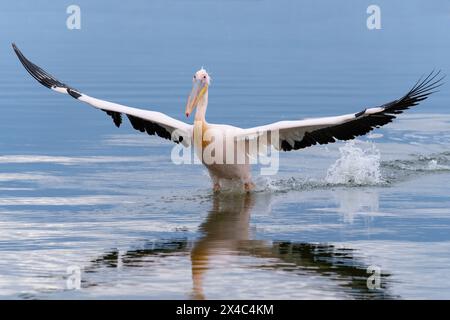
pixel 356 165
pixel 435 166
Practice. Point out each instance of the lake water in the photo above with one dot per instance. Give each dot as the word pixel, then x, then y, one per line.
pixel 77 193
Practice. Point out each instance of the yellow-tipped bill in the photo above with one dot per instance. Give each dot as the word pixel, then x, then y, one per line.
pixel 199 89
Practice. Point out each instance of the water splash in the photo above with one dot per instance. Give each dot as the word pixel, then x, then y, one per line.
pixel 420 163
pixel 433 165
pixel 356 166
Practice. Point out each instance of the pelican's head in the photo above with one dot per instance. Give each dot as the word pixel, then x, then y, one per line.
pixel 200 84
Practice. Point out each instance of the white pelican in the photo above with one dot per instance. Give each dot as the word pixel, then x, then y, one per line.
pixel 291 135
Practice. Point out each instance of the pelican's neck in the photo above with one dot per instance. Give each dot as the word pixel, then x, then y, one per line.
pixel 201 108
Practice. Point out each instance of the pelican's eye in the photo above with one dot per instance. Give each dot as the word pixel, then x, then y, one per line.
pixel 204 77
pixel 194 77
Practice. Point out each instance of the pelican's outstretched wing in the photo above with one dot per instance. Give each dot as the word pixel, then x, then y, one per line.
pixel 294 135
pixel 154 123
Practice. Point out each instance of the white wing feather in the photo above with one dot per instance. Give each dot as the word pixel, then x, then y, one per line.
pixel 300 134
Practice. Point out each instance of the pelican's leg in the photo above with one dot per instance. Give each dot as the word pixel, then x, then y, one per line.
pixel 246 178
pixel 249 186
pixel 216 183
pixel 216 187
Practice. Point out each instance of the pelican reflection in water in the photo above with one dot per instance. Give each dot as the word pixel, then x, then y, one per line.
pixel 226 232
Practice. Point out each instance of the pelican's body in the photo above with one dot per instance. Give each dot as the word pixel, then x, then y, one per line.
pixel 231 160
pixel 220 171
pixel 202 140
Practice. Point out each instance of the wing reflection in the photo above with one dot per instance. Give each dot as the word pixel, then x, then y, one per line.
pixel 226 232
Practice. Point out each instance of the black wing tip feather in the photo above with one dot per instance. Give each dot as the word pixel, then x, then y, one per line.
pixel 363 123
pixel 150 127
pixel 36 72
pixel 422 89
pixel 50 82
pixel 116 116
pixel 432 81
pixel 42 76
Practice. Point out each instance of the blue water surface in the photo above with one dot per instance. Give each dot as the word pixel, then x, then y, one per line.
pixel 76 192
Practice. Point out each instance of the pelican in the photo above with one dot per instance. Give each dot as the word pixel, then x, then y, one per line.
pixel 290 135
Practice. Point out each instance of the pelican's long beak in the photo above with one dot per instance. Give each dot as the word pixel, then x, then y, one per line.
pixel 199 89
